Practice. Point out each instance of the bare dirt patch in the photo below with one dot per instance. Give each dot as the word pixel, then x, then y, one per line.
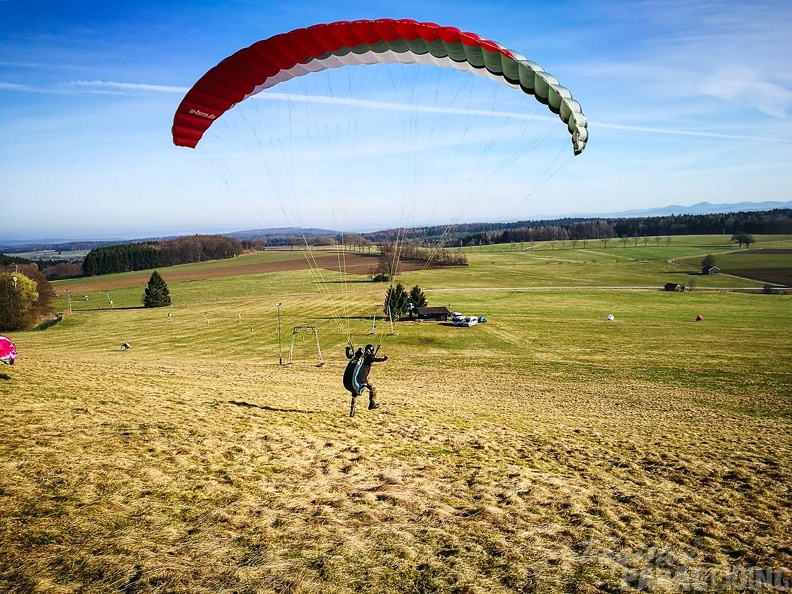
pixel 778 276
pixel 761 251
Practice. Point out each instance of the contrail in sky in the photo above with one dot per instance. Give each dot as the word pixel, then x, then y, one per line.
pixel 103 86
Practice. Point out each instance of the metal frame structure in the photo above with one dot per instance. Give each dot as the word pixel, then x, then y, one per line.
pixel 295 332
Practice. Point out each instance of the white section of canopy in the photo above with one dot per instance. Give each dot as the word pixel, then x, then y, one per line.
pixel 369 58
pixel 543 84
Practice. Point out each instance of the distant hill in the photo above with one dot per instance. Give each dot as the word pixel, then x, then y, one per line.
pixel 280 232
pixel 10 246
pixel 274 235
pixel 699 208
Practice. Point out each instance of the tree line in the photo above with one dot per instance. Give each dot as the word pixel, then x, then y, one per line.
pixel 777 221
pixel 156 254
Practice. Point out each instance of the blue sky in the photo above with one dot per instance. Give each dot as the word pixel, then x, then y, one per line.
pixel 687 101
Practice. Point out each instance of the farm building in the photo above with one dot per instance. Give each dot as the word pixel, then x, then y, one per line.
pixel 438 314
pixel 673 287
pixel 710 270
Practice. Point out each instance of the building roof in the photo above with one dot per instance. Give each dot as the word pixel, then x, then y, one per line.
pixel 431 310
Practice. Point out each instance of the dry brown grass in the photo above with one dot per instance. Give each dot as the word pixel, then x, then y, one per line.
pixel 143 474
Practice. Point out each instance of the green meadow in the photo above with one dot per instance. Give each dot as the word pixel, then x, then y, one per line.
pixel 547 450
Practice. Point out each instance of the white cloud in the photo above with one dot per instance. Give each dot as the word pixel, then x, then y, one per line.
pixel 102 85
pixel 727 49
pixel 673 132
pixel 15 87
pixel 92 86
pixel 739 87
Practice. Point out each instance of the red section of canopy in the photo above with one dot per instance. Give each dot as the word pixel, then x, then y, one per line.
pixel 237 76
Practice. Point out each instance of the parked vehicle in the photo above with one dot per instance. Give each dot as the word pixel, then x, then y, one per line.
pixel 467 321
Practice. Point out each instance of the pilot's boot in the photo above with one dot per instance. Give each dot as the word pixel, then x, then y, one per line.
pixel 372 396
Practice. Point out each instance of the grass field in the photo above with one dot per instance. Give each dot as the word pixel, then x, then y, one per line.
pixel 771 265
pixel 548 450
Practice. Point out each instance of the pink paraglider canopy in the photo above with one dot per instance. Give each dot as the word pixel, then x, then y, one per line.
pixel 8 351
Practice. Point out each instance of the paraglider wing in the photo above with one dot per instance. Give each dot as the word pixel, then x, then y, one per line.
pixel 8 351
pixel 349 43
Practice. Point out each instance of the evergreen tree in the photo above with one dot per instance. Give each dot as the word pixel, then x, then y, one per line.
pixel 157 293
pixel 395 301
pixel 417 297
